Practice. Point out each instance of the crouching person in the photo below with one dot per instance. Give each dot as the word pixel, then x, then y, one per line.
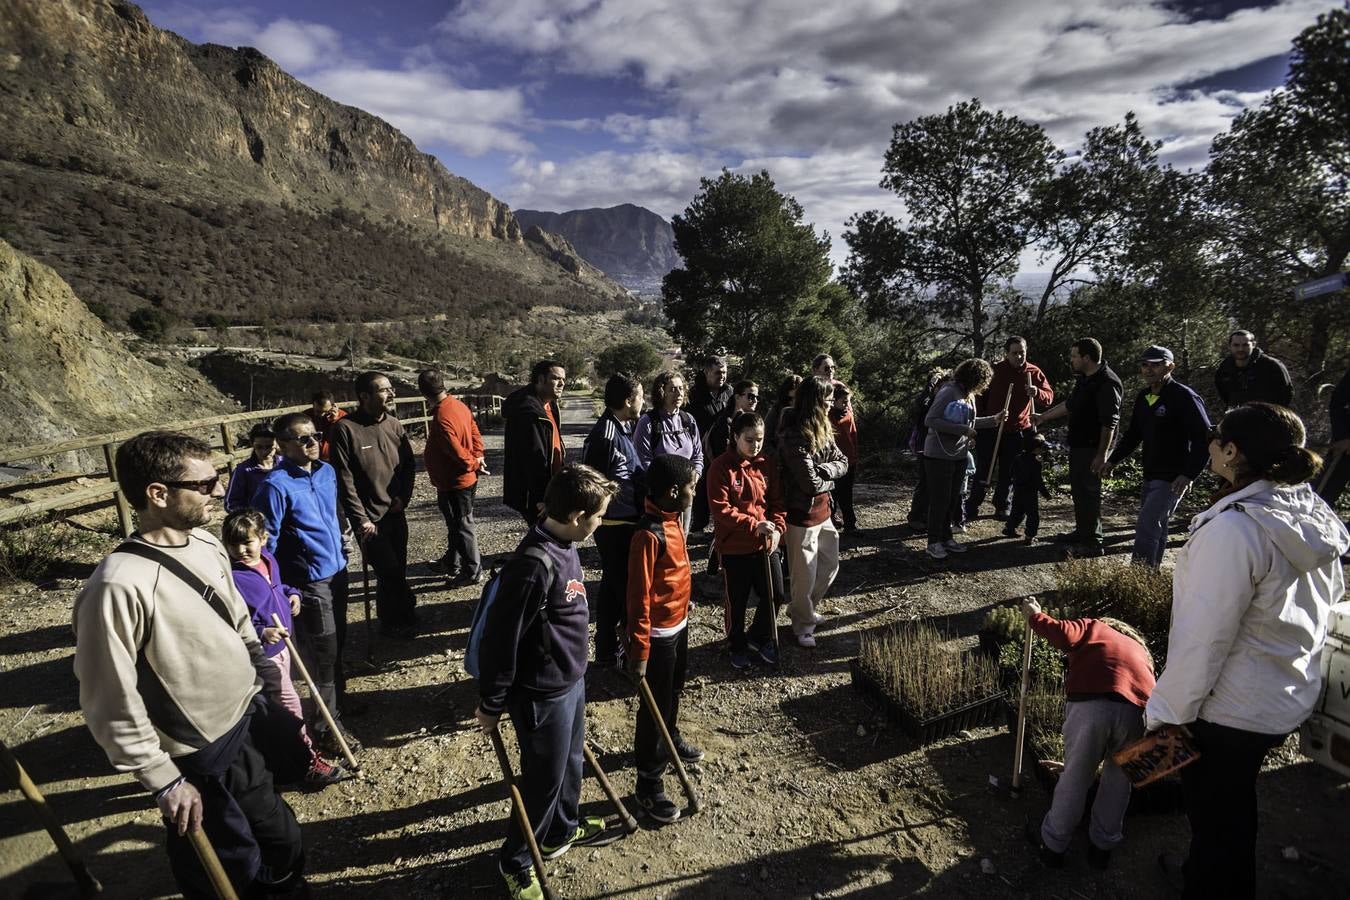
pixel 531 659
pixel 1108 683
pixel 171 670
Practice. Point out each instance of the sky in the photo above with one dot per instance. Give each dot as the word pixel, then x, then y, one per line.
pixel 570 104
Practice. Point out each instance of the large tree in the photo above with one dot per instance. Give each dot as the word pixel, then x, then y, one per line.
pixel 754 275
pixel 972 182
pixel 1279 181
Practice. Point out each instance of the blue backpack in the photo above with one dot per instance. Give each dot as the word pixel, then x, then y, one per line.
pixel 489 596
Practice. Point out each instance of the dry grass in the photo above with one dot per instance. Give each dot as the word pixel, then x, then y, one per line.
pixel 918 672
pixel 1138 595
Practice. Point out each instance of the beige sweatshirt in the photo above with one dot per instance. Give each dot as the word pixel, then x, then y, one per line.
pixel 196 674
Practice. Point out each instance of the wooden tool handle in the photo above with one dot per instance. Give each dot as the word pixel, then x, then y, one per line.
pixel 318 699
pixel 630 824
pixel 522 817
pixel 220 882
pixel 1022 710
pixel 88 884
pixel 655 711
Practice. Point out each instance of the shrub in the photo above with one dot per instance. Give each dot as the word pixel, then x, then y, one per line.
pixel 1138 595
pixel 919 673
pixel 150 323
pixel 27 554
pixel 638 358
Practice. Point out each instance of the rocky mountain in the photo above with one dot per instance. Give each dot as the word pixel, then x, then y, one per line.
pixel 108 123
pixel 63 374
pixel 632 245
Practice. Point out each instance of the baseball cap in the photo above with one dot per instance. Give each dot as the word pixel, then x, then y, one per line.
pixel 1155 354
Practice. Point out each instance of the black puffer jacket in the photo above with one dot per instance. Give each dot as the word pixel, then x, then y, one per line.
pixel 528 455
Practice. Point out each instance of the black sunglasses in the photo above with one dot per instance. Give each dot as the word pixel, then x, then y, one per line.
pixel 303 440
pixel 205 486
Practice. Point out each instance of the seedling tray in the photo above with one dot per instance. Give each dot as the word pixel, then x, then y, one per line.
pixel 934 728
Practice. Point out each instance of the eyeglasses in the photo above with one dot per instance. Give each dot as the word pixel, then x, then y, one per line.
pixel 206 486
pixel 303 440
pixel 750 396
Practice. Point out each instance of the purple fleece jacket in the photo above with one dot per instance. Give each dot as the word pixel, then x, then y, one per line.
pixel 263 598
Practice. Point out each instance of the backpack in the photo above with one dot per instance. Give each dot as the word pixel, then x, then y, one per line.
pixel 686 419
pixel 489 596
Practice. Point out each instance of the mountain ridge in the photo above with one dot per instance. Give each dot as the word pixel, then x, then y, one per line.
pixel 631 244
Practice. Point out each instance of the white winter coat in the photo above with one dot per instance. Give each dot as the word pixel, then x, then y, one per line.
pixel 1252 591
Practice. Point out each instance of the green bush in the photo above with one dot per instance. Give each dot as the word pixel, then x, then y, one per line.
pixel 1138 595
pixel 638 358
pixel 28 554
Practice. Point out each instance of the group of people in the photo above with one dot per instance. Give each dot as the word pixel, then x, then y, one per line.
pixel 181 637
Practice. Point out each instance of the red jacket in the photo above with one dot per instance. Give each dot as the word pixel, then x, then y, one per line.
pixel 454 446
pixel 658 585
pixel 741 494
pixel 323 425
pixel 1019 407
pixel 1101 659
pixel 846 436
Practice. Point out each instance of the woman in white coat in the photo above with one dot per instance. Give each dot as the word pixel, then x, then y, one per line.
pixel 1252 592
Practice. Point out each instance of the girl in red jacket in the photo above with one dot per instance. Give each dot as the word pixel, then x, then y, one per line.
pixel 748 521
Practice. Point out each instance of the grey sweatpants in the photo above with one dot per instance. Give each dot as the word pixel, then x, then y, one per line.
pixel 1093 730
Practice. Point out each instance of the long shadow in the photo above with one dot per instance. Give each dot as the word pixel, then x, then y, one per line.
pixel 50 683
pixel 51 637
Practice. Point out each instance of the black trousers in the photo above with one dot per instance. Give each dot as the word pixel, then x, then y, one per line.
pixel 944 495
pixel 918 505
pixel 1220 791
pixel 253 831
pixel 611 604
pixel 1086 488
pixel 1008 448
pixel 321 636
pixel 551 733
pixel 387 553
pixel 1025 502
pixel 843 501
pixel 741 573
pixel 666 665
pixel 701 514
pixel 1337 479
pixel 461 552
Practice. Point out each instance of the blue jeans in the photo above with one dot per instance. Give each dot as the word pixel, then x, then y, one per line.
pixel 1150 536
pixel 551 734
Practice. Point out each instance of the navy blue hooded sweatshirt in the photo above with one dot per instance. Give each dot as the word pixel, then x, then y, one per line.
pixel 512 656
pixel 1174 432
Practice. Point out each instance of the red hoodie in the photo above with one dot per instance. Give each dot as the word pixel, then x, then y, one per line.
pixel 846 436
pixel 1101 659
pixel 659 584
pixel 1019 406
pixel 741 494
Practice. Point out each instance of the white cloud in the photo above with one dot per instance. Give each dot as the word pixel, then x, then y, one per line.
pixel 298 47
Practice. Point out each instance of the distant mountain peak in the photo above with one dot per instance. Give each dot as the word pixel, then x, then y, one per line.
pixel 629 243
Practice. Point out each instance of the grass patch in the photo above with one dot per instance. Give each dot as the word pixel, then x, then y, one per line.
pixel 920 674
pixel 29 554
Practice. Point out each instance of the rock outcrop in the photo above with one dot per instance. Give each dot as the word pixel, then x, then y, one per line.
pixel 630 244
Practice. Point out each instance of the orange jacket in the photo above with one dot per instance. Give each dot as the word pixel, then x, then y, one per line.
pixel 453 446
pixel 846 437
pixel 323 425
pixel 659 584
pixel 741 494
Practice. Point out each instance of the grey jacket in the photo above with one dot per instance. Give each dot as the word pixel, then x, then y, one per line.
pixel 949 440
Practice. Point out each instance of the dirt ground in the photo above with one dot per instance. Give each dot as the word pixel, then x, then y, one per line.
pixel 806 791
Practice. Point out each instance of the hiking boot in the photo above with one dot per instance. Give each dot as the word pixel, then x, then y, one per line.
pixel 1071 537
pixel 1011 533
pixel 522 885
pixel 954 546
pixel 1098 858
pixel 590 831
pixel 1049 858
pixel 765 651
pixel 806 640
pixel 654 802
pixel 321 774
pixel 326 742
pixel 740 659
pixel 687 751
pixel 937 551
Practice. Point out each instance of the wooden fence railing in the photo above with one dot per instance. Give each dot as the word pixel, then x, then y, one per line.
pixel 221 439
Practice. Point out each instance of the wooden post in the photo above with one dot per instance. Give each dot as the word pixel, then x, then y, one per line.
pixel 227 442
pixel 88 884
pixel 123 508
pixel 1022 712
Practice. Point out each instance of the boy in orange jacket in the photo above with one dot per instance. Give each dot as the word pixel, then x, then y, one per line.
pixel 846 438
pixel 659 584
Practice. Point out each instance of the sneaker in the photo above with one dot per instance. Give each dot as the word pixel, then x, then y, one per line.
pixel 326 743
pixel 806 640
pixel 765 650
pixel 522 885
pixel 687 751
pixel 937 551
pixel 442 567
pixel 591 831
pixel 1087 551
pixel 321 774
pixel 954 546
pixel 959 528
pixel 1029 539
pixel 740 659
pixel 1011 533
pixel 1049 858
pixel 817 618
pixel 1098 858
pixel 656 804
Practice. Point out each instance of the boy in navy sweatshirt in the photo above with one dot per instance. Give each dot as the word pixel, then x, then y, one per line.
pixel 531 666
pixel 659 583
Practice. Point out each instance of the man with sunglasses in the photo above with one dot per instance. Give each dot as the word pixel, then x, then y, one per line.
pixel 299 500
pixel 173 678
pixel 1171 423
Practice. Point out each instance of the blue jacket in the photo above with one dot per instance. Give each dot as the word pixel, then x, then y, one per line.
pixel 244 481
pixel 303 523
pixel 1174 431
pixel 265 597
pixel 609 449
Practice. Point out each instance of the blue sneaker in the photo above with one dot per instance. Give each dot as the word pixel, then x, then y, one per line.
pixel 740 659
pixel 766 651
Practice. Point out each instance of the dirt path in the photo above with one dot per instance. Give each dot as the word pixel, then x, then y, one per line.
pixel 806 792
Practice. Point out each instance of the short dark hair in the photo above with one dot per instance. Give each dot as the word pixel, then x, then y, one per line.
pixel 155 456
pixel 576 487
pixel 715 361
pixel 1245 333
pixel 1014 339
pixel 1089 347
pixel 242 525
pixel 620 388
pixel 540 369
pixel 743 420
pixel 1270 439
pixel 321 397
pixel 743 386
pixel 261 430
pixel 284 425
pixel 365 382
pixel 431 382
pixel 668 472
pixel 841 391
